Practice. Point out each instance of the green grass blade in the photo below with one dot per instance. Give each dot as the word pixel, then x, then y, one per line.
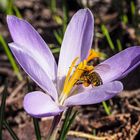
pixel 37 129
pixel 9 9
pixel 10 57
pixel 65 15
pixel 18 14
pixel 12 133
pixel 107 35
pixel 58 19
pixel 124 19
pixel 133 8
pixel 2 109
pixel 119 45
pixel 107 108
pixel 53 6
pixel 55 50
pixel 58 37
pixel 3 4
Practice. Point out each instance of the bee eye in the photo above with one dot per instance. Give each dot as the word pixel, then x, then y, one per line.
pixel 94 62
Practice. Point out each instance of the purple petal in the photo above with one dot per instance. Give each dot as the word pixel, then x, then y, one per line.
pixel 28 38
pixel 77 40
pixel 119 65
pixel 33 68
pixel 95 95
pixel 39 104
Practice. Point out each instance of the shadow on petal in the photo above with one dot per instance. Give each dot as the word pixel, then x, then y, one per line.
pixel 95 95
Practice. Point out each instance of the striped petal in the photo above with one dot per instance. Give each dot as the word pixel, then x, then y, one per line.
pixel 95 95
pixel 77 41
pixel 39 104
pixel 34 69
pixel 29 40
pixel 119 65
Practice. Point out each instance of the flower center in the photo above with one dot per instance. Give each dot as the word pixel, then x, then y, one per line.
pixel 71 79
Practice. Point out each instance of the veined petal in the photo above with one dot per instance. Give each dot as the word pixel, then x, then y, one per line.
pixel 39 104
pixel 29 39
pixel 77 41
pixel 95 95
pixel 119 65
pixel 34 69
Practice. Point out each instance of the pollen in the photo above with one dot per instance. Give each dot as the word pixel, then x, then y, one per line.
pixel 92 54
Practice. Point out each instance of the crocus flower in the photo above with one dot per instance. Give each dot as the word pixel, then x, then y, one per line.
pixel 59 83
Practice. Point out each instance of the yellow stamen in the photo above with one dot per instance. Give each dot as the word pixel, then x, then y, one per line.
pixel 93 54
pixel 71 79
pixel 76 75
pixel 69 72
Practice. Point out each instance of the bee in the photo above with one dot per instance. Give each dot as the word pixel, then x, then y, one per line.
pixel 94 61
pixel 90 78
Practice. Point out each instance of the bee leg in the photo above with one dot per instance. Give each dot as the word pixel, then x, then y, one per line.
pixel 94 84
pixel 78 82
pixel 86 84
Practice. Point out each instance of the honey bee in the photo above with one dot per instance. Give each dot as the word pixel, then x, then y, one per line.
pixel 94 61
pixel 92 77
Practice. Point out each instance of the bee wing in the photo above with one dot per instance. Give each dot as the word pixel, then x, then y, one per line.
pixel 102 68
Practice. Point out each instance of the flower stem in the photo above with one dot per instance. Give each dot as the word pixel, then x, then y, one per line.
pixel 65 122
pixel 54 128
pixel 54 134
